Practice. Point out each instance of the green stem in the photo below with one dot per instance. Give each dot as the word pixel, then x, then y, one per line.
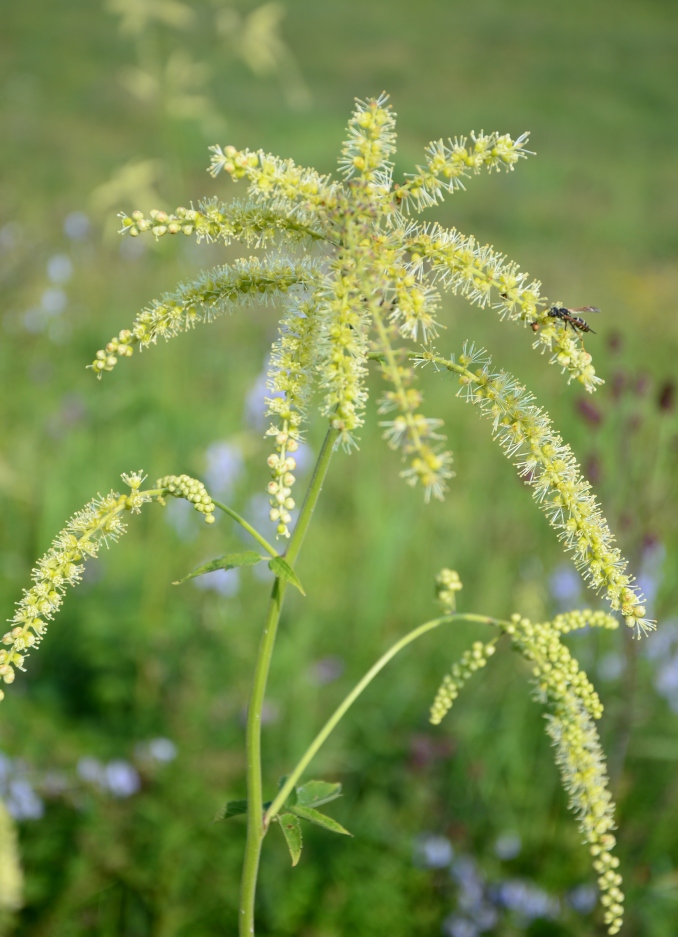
pixel 343 707
pixel 256 830
pixel 248 527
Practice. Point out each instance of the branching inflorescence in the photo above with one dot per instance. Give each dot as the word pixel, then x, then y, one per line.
pixel 368 281
pixel 373 280
pixel 360 281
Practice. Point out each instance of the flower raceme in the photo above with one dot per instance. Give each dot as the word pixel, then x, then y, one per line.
pixel 368 281
pixel 99 522
pixel 574 706
pixel 525 433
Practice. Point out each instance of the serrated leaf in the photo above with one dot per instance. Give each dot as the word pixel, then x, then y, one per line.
pixel 315 793
pixel 234 808
pixel 282 569
pixel 291 828
pixel 230 561
pixel 320 819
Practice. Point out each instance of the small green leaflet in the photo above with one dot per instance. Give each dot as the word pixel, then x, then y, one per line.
pixel 230 561
pixel 232 809
pixel 315 793
pixel 282 569
pixel 291 828
pixel 314 816
pixel 235 808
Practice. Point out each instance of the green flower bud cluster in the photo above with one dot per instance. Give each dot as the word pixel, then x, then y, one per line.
pixel 525 433
pixel 573 621
pixel 582 767
pixel 120 347
pixel 62 566
pixel 561 684
pixel 183 486
pixel 470 661
pixel 455 159
pixel 557 673
pixel 159 222
pixel 279 488
pixel 213 293
pixel 448 584
pixel 579 756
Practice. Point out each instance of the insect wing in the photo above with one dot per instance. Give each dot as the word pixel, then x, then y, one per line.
pixel 584 309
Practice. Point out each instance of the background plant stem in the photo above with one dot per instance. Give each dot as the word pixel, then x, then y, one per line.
pixel 255 825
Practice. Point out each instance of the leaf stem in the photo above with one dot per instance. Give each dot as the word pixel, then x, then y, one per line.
pixel 256 829
pixel 344 706
pixel 248 527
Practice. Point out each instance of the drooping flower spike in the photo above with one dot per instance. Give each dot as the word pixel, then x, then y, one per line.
pixel 99 523
pixel 574 706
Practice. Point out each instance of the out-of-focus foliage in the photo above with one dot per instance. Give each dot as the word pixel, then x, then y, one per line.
pixel 126 736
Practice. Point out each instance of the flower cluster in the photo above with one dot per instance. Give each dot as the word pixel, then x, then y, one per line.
pixel 278 183
pixel 547 464
pixel 448 584
pixel 62 566
pixel 470 661
pixel 370 143
pixel 183 486
pixel 580 759
pixel 486 277
pixel 565 688
pixel 457 158
pixel 212 294
pixel 372 280
pixel 343 352
pixel 290 379
pixel 213 221
pixel 99 522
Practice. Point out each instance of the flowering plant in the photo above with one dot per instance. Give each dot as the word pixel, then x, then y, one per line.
pixel 359 280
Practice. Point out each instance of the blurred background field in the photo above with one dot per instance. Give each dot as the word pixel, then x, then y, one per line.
pixel 125 736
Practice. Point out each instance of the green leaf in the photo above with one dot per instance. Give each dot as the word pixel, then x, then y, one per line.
pixel 315 793
pixel 320 819
pixel 291 828
pixel 234 808
pixel 283 570
pixel 230 561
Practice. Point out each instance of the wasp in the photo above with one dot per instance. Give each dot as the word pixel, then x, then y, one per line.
pixel 570 317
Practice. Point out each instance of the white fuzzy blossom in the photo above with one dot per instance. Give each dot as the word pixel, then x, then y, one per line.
pixel 526 435
pixel 99 523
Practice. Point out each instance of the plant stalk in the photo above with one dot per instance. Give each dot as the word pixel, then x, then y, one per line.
pixel 255 825
pixel 344 706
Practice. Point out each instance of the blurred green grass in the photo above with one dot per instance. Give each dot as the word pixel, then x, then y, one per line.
pixel 132 658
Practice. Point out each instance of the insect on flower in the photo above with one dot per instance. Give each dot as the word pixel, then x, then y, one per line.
pixel 569 317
